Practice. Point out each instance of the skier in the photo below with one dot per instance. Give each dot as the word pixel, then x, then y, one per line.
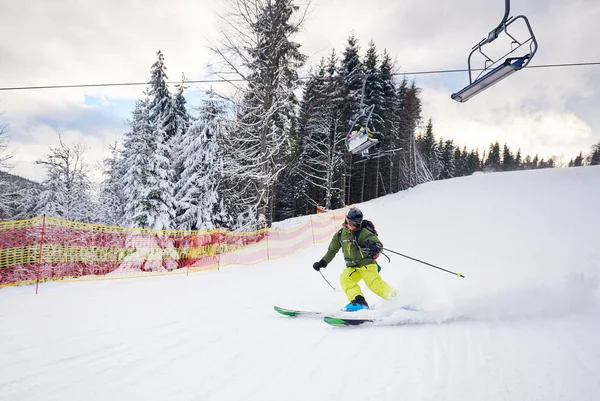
pixel 360 247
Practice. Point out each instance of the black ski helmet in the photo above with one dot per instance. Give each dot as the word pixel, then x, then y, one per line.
pixel 354 216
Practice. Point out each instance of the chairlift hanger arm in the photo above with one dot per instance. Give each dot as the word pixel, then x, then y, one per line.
pixel 496 31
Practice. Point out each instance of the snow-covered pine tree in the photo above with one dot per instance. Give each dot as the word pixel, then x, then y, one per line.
pixel 390 135
pixel 148 183
pixel 182 119
pixel 578 162
pixel 493 162
pixel 518 160
pixel 112 195
pixel 447 161
pixel 460 161
pixel 410 162
pixel 66 192
pixel 257 45
pixel 594 156
pixel 335 90
pixel 508 159
pixel 161 106
pixel 182 122
pixel 473 162
pixel 374 96
pixel 197 197
pixel 374 86
pixel 430 151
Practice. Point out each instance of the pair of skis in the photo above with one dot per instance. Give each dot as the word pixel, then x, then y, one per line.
pixel 337 321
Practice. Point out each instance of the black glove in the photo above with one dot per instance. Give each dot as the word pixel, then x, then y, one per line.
pixel 321 264
pixel 372 247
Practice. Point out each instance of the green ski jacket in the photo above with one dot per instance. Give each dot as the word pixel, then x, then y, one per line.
pixel 351 248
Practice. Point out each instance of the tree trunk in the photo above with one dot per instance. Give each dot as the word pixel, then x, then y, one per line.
pixel 377 179
pixel 362 187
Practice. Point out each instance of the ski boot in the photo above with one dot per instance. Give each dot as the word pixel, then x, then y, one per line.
pixel 359 303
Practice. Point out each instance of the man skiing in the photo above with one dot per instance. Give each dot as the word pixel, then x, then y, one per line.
pixel 360 247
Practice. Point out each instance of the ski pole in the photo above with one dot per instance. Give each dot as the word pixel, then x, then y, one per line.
pixel 460 275
pixel 326 280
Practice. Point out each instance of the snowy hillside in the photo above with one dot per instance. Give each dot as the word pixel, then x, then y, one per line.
pixel 523 324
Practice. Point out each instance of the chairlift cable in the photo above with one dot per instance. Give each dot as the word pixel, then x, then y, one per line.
pixel 424 72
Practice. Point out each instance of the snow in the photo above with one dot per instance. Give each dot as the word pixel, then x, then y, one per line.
pixel 522 325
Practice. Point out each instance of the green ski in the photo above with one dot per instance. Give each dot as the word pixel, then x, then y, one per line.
pixel 294 313
pixel 339 322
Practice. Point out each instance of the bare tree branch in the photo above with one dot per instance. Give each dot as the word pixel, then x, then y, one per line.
pixel 5 153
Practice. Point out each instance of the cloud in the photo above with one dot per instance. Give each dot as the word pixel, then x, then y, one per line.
pixel 545 131
pixel 31 142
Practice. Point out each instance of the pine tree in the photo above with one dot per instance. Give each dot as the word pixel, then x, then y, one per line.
pixel 152 176
pixel 578 162
pixel 198 199
pixel 373 97
pixel 390 132
pixel 447 161
pixel 508 159
pixel 430 151
pixel 374 87
pixel 518 160
pixel 474 162
pixel 352 76
pixel 149 179
pixel 147 182
pixel 594 157
pixel 182 122
pixel 161 112
pixel 411 168
pixel 461 162
pixel 112 195
pixel 493 163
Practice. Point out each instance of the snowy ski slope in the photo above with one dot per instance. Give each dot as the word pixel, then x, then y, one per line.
pixel 523 325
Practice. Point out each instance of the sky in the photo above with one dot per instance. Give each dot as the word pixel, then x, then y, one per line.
pixel 522 325
pixel 549 111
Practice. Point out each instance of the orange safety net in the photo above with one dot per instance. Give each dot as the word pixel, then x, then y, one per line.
pixel 46 248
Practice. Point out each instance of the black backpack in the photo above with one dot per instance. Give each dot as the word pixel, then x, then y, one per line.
pixel 366 224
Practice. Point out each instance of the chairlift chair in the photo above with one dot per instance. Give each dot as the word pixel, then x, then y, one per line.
pixel 496 70
pixel 362 139
pixel 365 141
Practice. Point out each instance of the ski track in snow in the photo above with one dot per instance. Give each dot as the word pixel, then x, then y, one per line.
pixel 522 325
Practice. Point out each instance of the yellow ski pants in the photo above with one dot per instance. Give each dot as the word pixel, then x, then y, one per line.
pixel 352 275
